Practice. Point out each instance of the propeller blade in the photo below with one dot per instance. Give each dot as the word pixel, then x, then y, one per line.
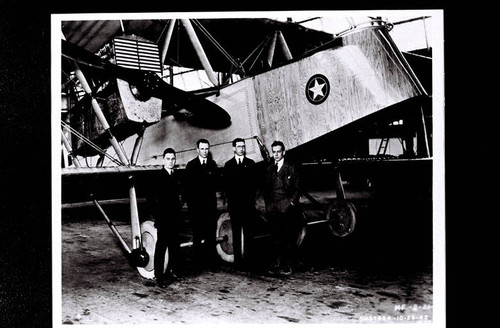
pixel 203 113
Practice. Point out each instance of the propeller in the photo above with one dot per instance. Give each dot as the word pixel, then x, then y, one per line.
pixel 146 84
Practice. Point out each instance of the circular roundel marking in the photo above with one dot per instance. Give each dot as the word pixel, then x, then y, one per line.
pixel 317 89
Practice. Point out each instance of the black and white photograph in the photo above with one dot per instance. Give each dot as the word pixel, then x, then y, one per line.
pixel 248 168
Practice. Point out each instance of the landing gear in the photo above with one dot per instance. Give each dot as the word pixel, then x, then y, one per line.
pixel 149 237
pixel 341 217
pixel 139 257
pixel 224 237
pixel 341 214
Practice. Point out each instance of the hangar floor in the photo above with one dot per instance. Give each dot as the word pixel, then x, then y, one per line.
pixel 382 273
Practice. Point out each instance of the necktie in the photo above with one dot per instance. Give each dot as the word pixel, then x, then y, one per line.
pixel 239 161
pixel 204 162
pixel 276 166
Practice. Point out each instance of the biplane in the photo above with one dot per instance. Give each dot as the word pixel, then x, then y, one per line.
pixel 131 88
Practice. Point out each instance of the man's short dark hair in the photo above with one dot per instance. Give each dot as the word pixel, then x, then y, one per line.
pixel 202 141
pixel 168 151
pixel 235 141
pixel 278 143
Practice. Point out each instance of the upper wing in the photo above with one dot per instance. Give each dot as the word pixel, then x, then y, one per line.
pixel 229 43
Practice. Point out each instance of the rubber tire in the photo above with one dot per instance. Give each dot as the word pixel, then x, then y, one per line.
pixel 342 213
pixel 225 248
pixel 149 237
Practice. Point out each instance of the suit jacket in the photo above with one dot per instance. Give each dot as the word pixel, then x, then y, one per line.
pixel 281 188
pixel 240 183
pixel 168 202
pixel 201 182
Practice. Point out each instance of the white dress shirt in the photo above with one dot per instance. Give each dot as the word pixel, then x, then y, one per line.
pixel 280 164
pixel 239 159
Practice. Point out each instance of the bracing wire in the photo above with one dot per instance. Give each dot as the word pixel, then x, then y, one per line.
pixel 88 142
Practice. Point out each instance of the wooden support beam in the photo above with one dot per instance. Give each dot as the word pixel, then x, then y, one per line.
pixel 199 51
pixel 168 37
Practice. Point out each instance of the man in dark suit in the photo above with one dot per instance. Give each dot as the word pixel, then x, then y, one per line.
pixel 240 187
pixel 281 194
pixel 202 180
pixel 167 222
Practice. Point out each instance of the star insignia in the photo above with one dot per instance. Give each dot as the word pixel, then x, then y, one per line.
pixel 317 89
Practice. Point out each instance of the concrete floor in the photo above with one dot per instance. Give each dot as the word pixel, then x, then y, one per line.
pixel 382 273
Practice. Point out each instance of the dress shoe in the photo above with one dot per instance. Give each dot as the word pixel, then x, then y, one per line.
pixel 285 271
pixel 273 270
pixel 162 283
pixel 172 276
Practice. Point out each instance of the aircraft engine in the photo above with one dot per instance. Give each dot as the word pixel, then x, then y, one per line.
pixel 127 107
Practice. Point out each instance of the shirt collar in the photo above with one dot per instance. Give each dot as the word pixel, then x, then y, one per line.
pixel 202 159
pixel 238 157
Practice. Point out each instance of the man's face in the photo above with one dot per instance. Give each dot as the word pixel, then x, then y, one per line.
pixel 169 161
pixel 203 149
pixel 278 153
pixel 240 148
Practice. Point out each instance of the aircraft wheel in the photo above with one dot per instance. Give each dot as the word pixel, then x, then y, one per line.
pixel 224 235
pixel 342 216
pixel 149 237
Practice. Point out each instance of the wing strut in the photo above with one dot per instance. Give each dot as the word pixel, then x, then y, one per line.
pixel 424 128
pixel 199 51
pixel 137 146
pixel 98 112
pixel 284 46
pixel 68 147
pixel 270 51
pixel 168 37
pixel 278 38
pixel 235 63
pixel 100 115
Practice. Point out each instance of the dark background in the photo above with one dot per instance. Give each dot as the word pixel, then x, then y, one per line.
pixel 25 145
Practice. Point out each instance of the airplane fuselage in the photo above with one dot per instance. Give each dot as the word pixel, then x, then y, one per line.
pixel 297 102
